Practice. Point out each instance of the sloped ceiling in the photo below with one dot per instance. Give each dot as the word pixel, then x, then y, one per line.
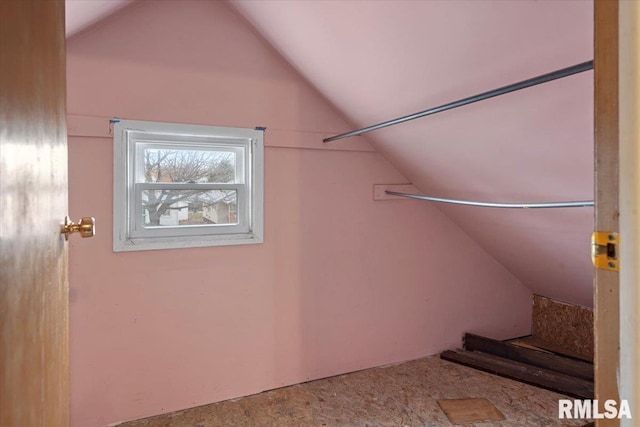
pixel 377 60
pixel 81 14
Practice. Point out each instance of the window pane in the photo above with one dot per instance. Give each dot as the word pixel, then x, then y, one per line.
pixel 189 166
pixel 174 208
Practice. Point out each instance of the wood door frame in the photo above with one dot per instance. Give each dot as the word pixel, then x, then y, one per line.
pixel 617 298
pixel 629 202
pixel 606 283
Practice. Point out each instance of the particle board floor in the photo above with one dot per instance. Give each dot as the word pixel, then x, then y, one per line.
pixel 398 395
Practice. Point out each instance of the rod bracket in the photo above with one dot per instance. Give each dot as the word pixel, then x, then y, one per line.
pixel 380 191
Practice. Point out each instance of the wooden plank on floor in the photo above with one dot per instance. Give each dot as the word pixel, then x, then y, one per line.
pixel 525 345
pixel 553 362
pixel 533 375
pixel 535 342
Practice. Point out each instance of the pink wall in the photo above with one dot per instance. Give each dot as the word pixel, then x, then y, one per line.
pixel 340 284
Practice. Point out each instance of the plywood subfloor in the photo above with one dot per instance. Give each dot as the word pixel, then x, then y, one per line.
pixel 394 396
pixel 467 411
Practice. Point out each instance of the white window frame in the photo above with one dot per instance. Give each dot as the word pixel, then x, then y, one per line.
pixel 131 137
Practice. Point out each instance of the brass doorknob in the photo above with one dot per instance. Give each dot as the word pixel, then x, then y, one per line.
pixel 86 227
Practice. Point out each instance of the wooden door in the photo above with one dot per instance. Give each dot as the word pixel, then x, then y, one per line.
pixel 34 346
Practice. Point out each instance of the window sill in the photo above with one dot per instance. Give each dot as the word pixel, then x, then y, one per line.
pixel 157 243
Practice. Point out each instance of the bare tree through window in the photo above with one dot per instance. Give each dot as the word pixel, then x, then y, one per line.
pixel 187 166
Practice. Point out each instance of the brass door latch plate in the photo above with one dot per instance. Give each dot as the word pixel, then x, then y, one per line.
pixel 604 250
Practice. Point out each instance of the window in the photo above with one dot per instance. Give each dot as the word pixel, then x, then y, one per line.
pixel 178 186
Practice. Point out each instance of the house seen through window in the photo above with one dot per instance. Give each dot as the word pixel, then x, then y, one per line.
pixel 186 185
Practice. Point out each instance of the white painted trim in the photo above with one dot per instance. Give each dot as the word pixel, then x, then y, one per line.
pixel 82 126
pixel 126 239
pixel 150 244
pixel 629 202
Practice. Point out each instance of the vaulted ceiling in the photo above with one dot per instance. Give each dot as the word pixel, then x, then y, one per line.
pixel 377 60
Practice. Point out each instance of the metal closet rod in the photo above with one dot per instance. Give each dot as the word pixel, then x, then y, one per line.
pixel 577 204
pixel 554 75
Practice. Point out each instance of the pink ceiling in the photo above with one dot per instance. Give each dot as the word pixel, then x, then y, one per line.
pixel 376 60
pixel 81 14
